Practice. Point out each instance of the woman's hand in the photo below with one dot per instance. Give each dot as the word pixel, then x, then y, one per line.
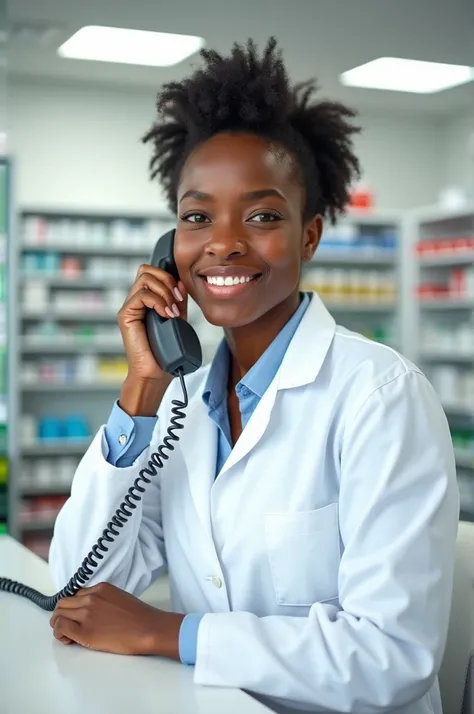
pixel 108 619
pixel 146 382
pixel 157 290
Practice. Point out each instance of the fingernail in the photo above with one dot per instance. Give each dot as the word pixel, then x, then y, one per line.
pixel 168 312
pixel 178 294
pixel 175 309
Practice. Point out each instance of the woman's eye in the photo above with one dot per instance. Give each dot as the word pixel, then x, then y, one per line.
pixel 196 218
pixel 265 217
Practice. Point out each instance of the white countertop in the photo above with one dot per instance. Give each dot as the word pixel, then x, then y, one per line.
pixel 38 675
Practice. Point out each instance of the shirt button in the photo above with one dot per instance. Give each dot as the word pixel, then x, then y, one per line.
pixel 122 439
pixel 216 581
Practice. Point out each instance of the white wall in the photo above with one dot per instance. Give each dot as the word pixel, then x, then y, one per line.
pixel 458 145
pixel 80 148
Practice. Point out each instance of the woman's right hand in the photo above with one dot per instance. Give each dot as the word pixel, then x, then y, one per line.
pixel 157 290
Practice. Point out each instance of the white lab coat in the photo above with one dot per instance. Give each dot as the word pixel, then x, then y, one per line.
pixel 323 552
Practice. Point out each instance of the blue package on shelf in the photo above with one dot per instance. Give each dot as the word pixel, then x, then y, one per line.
pixel 52 263
pixel 50 428
pixel 336 243
pixel 75 427
pixel 72 427
pixel 389 241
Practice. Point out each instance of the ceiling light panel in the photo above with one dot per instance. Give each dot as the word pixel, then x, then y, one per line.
pixel 405 75
pixel 138 47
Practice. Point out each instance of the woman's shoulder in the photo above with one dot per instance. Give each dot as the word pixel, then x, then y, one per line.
pixel 364 359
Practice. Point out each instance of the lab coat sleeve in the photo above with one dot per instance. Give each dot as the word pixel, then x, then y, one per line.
pixel 138 433
pixel 137 556
pixel 382 646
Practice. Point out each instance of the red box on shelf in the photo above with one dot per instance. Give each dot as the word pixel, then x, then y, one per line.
pixel 432 291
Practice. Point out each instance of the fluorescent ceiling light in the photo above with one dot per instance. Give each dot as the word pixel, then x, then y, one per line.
pixel 405 75
pixel 114 44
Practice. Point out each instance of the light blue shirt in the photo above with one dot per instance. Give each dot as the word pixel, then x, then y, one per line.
pixel 128 436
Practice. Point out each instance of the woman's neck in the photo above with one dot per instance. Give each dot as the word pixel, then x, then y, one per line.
pixel 248 343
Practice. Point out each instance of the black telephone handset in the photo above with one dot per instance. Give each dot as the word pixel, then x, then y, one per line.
pixel 176 348
pixel 173 342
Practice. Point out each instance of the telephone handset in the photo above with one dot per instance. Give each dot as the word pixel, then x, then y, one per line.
pixel 177 350
pixel 173 342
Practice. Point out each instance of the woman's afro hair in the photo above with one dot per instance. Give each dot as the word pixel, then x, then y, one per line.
pixel 252 94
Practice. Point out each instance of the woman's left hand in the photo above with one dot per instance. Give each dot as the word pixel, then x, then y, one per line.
pixel 108 619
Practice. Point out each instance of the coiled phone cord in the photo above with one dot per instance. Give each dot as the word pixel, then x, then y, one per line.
pixel 118 520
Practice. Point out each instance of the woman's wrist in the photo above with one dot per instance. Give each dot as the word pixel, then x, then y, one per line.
pixel 162 639
pixel 142 397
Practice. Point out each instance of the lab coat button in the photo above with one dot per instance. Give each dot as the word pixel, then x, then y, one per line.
pixel 122 439
pixel 216 581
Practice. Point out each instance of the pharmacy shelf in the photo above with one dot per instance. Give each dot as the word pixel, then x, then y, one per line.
pixel 121 251
pixel 453 304
pixel 321 257
pixel 79 282
pixel 72 386
pixel 59 447
pixel 70 316
pixel 429 215
pixel 446 260
pixel 37 348
pixel 59 489
pixel 362 307
pixel 41 251
pixel 377 219
pixel 447 356
pixel 461 410
pixel 464 458
pixel 37 525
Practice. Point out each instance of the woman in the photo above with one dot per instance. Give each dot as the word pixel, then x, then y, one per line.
pixel 308 515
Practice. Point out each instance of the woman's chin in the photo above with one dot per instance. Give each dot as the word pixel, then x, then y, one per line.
pixel 226 316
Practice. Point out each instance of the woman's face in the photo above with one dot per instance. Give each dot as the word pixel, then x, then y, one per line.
pixel 240 237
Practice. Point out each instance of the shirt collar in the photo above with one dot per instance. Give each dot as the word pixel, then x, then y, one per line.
pixel 259 377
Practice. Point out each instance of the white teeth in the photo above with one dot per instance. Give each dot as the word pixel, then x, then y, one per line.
pixel 213 280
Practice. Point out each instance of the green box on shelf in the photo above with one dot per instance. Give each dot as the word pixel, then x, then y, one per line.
pixel 3 529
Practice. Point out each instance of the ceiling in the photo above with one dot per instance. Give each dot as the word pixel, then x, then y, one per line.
pixel 319 38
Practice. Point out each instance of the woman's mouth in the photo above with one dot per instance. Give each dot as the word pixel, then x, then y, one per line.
pixel 229 284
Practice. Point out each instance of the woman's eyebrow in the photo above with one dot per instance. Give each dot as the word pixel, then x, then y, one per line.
pixel 248 195
pixel 263 193
pixel 199 195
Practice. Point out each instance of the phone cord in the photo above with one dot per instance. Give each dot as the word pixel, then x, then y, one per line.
pixel 122 514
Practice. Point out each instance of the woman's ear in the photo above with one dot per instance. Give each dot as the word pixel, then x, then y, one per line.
pixel 312 233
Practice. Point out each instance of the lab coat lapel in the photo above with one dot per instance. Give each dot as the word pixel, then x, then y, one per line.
pixel 301 365
pixel 254 429
pixel 199 449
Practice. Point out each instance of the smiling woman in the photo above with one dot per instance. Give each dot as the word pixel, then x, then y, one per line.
pixel 252 165
pixel 307 516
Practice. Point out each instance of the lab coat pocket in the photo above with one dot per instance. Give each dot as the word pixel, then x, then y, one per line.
pixel 304 553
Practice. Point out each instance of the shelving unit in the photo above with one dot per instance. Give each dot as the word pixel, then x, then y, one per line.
pixel 357 271
pixel 74 272
pixel 66 347
pixel 72 387
pixel 443 243
pixel 59 447
pixel 7 406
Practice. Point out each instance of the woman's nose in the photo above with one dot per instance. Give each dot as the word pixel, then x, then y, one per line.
pixel 226 242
